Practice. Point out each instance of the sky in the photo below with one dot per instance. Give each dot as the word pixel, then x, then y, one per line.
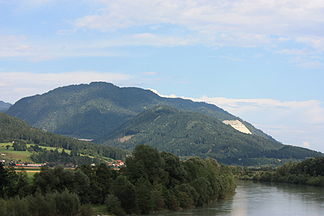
pixel 262 60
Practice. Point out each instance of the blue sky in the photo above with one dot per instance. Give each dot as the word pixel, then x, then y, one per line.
pixel 261 60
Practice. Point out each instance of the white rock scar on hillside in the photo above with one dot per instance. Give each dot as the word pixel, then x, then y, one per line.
pixel 237 125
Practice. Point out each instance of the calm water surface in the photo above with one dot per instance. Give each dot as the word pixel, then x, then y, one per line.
pixel 257 199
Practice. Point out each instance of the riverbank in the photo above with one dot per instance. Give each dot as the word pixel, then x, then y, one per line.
pixel 266 199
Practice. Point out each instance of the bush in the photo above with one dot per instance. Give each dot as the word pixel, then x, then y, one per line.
pixel 113 205
pixel 54 204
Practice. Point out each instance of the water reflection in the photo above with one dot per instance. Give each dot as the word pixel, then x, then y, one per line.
pixel 256 199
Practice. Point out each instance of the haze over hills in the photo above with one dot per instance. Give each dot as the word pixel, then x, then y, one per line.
pixel 194 134
pixel 4 106
pixel 95 110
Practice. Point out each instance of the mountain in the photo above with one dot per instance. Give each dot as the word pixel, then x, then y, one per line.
pixel 13 129
pixel 124 117
pixel 95 110
pixel 4 106
pixel 193 134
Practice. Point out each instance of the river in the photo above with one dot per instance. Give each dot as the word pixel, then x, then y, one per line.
pixel 259 199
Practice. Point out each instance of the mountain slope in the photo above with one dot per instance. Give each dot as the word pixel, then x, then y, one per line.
pixel 12 128
pixel 4 106
pixel 93 111
pixel 189 134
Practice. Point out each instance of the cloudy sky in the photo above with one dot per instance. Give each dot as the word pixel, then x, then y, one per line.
pixel 262 60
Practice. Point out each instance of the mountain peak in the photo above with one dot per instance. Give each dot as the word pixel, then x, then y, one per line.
pixel 101 83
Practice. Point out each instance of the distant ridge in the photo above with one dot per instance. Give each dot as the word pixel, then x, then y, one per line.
pixel 4 106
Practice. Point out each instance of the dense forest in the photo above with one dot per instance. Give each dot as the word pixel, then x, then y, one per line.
pixel 151 181
pixel 187 134
pixel 95 110
pixel 55 157
pixel 308 172
pixel 13 129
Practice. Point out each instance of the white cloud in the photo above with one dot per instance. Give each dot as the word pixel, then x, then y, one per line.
pixel 12 45
pixel 317 42
pixel 30 4
pixel 310 112
pixel 150 73
pixel 243 22
pixel 270 24
pixel 306 144
pixel 22 47
pixel 15 85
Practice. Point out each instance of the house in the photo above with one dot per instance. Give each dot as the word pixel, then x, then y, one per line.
pixel 116 164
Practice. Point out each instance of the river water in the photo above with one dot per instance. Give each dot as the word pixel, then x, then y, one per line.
pixel 258 199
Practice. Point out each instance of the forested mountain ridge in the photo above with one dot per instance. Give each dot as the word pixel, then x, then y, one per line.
pixel 194 134
pixel 4 106
pixel 95 110
pixel 13 129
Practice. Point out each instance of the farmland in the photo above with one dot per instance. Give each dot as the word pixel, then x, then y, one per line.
pixel 31 158
pixel 7 152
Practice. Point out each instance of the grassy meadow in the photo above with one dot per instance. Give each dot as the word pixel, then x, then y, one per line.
pixel 24 156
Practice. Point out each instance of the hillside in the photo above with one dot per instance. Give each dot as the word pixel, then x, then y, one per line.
pixel 189 134
pixel 17 131
pixel 4 106
pixel 94 110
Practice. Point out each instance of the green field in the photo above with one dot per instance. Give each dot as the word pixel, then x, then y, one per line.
pixel 23 156
pixel 10 154
pixel 3 147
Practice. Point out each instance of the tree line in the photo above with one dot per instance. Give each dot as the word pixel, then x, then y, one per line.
pixel 150 182
pixel 308 172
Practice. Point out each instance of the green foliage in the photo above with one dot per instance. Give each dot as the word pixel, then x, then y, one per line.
pixel 66 203
pixel 54 157
pixel 58 179
pixel 114 206
pixel 194 134
pixel 95 110
pixel 308 172
pixel 173 183
pixel 12 183
pixel 124 190
pixel 51 204
pixel 13 129
pixel 19 146
pixel 168 184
